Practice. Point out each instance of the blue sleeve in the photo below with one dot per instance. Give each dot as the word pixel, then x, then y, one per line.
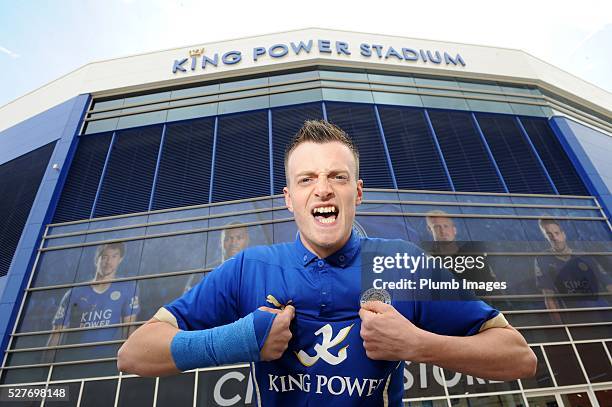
pixel 213 301
pixel 453 318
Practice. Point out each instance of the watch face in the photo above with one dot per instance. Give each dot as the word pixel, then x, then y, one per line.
pixel 374 294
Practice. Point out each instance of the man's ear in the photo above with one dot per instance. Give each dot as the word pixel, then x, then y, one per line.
pixel 359 192
pixel 288 199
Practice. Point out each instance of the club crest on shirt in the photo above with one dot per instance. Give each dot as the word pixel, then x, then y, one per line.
pixel 322 350
pixel 115 295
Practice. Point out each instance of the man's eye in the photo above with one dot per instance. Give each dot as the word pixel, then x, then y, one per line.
pixel 304 180
pixel 340 178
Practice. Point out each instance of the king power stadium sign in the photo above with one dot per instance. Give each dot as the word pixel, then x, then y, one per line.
pixel 199 59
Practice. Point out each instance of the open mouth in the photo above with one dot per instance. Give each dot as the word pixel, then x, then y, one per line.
pixel 325 214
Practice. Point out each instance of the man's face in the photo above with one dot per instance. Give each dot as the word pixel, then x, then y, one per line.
pixel 555 236
pixel 234 241
pixel 322 194
pixel 442 229
pixel 108 262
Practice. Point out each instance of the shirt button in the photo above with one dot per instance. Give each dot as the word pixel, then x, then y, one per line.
pixel 321 263
pixel 322 305
pixel 305 257
pixel 341 258
pixel 324 292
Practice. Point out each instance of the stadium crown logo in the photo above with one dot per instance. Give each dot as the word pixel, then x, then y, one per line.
pixel 322 349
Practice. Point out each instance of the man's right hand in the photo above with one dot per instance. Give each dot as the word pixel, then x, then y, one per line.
pixel 279 335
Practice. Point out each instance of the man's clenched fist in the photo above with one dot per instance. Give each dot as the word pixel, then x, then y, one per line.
pixel 387 335
pixel 280 335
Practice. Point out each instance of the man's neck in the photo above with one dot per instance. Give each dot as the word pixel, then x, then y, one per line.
pixel 323 252
pixel 101 283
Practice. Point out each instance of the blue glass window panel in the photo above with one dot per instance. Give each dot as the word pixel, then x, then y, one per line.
pixel 284 232
pixel 173 253
pixel 436 82
pixel 399 99
pixel 468 163
pixel 394 79
pixel 286 122
pixel 564 175
pixel 129 174
pixel 516 160
pixel 242 165
pixel 183 178
pixel 489 106
pixel 20 180
pixel 193 92
pixel 256 82
pixel 83 179
pixel 292 98
pixel 299 76
pixel 156 292
pixel 348 95
pixel 359 122
pixel 527 110
pixel 192 112
pixel 108 104
pixel 241 105
pixel 415 159
pixel 355 76
pixel 439 102
pixel 142 119
pixel 57 267
pixel 39 310
pixel 99 126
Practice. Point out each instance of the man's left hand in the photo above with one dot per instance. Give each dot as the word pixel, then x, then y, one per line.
pixel 387 335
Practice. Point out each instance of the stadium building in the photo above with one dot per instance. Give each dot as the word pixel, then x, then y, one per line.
pixel 146 167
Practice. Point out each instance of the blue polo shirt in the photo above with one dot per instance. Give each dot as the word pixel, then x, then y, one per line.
pixel 325 361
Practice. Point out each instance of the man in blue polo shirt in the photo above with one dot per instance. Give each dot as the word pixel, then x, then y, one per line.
pixel 294 309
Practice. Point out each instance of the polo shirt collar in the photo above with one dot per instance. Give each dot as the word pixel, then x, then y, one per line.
pixel 341 258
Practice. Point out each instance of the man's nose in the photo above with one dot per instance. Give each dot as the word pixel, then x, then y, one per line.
pixel 323 188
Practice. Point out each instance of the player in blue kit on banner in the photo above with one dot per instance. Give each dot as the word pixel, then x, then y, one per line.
pixel 100 303
pixel 299 313
pixel 568 280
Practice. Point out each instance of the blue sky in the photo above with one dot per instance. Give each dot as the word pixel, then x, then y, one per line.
pixel 43 40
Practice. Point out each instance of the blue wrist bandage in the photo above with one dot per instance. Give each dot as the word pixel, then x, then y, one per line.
pixel 237 342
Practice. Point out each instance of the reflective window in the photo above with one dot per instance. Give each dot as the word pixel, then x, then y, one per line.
pixel 40 310
pixel 176 391
pixel 136 391
pixel 595 361
pixel 157 292
pixel 26 375
pixel 99 393
pixel 564 365
pixel 57 267
pixel 73 391
pixel 173 253
pixel 97 369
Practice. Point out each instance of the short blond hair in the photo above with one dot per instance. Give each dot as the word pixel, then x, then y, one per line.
pixel 321 131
